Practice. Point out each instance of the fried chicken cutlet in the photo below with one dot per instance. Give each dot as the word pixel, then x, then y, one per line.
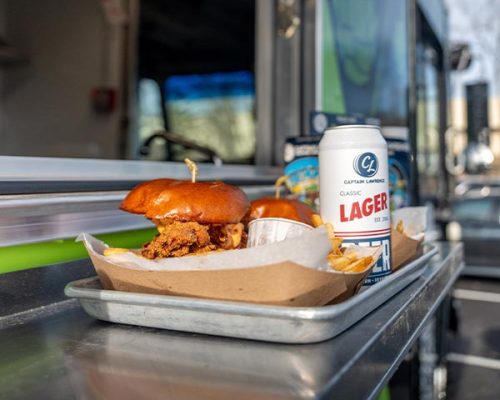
pixel 176 239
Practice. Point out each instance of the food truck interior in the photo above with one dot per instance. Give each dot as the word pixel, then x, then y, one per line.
pixel 97 96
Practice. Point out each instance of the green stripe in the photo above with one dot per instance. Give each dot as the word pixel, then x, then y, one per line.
pixel 385 394
pixel 33 255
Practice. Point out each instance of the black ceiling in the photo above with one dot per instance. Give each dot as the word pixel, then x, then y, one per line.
pixel 195 36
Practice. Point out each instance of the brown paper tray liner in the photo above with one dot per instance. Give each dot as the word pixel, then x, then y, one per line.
pixel 286 283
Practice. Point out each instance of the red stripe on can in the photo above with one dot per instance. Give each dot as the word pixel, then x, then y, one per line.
pixel 363 232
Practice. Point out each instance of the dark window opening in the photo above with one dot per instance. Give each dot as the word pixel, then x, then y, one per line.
pixel 200 55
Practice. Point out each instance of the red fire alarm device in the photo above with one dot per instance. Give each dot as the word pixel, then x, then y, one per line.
pixel 103 100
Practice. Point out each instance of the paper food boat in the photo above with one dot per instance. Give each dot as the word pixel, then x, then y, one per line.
pixel 293 272
pixel 408 245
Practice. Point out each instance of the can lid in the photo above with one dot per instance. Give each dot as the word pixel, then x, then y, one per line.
pixel 353 126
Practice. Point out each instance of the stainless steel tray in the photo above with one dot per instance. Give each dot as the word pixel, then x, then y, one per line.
pixel 241 320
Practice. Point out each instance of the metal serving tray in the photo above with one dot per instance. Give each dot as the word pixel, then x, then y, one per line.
pixel 241 320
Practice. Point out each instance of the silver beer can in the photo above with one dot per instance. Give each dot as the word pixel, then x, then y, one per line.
pixel 354 189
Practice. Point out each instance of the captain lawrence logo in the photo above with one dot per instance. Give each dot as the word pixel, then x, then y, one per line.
pixel 363 209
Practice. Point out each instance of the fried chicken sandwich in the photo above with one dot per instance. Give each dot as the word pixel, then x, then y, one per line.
pixel 191 217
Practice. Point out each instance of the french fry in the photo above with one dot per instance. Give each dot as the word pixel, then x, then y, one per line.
pixel 338 258
pixel 330 231
pixel 359 265
pixel 342 259
pixel 336 241
pixel 316 220
pixel 338 262
pixel 400 227
pixel 114 250
pixel 351 256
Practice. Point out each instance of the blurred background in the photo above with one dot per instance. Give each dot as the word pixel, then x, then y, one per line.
pixel 256 82
pixel 97 79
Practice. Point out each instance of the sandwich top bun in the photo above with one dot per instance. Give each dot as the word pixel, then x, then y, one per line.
pixel 202 202
pixel 268 207
pixel 140 198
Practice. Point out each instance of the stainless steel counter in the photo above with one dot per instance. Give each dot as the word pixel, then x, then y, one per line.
pixel 61 353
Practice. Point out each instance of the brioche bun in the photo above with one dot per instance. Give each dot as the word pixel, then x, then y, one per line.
pixel 268 207
pixel 140 197
pixel 202 202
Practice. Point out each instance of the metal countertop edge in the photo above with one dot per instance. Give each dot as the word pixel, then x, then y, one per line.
pixel 27 187
pixel 37 313
pixel 413 338
pixel 9 201
pixel 451 257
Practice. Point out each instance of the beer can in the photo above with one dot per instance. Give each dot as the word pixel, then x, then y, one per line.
pixel 354 189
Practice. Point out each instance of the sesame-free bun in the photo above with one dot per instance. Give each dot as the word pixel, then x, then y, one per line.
pixel 202 202
pixel 141 197
pixel 269 207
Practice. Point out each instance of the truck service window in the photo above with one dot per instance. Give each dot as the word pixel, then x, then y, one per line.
pixel 200 55
pixel 98 79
